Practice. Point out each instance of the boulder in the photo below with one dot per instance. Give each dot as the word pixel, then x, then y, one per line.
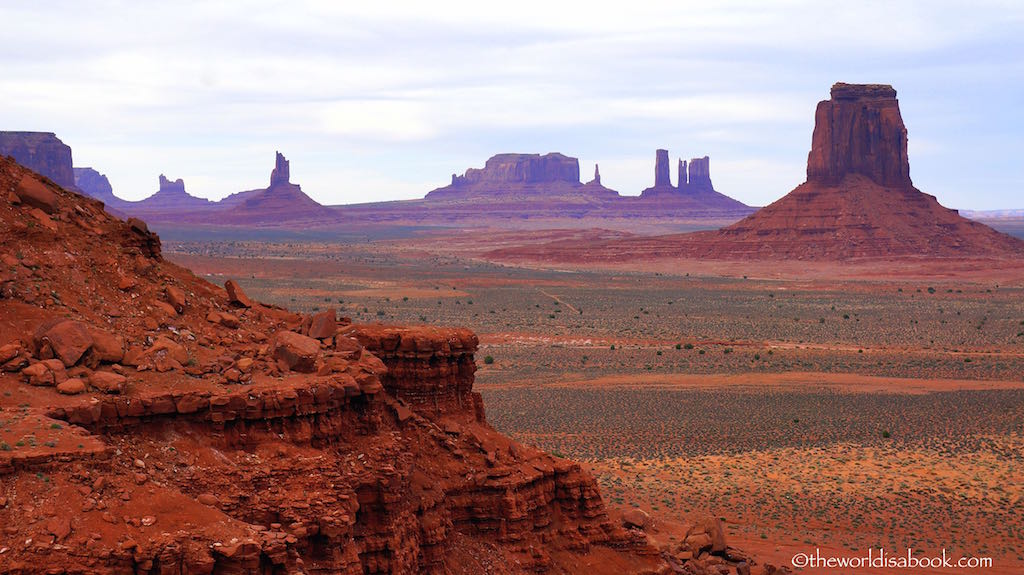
pixel 36 194
pixel 108 382
pixel 163 346
pixel 49 372
pixel 323 324
pixel 348 347
pixel 12 357
pixel 175 297
pixel 637 518
pixel 235 294
pixel 72 386
pixel 295 352
pixel 67 340
pixel 107 347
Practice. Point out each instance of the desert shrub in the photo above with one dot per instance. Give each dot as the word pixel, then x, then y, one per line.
pixel 488 359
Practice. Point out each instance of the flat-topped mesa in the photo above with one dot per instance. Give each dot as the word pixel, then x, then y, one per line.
pixel 859 131
pixel 167 187
pixel 661 171
pixel 281 174
pixel 700 173
pixel 523 169
pixel 41 152
pixel 681 178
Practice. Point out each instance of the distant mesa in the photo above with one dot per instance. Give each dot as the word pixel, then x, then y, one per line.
pixel 96 185
pixel 41 152
pixel 507 173
pixel 858 202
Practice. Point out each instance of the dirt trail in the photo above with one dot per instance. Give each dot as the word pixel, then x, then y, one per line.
pixel 560 301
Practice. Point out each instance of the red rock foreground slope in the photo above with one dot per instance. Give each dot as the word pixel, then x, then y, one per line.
pixel 151 422
pixel 858 202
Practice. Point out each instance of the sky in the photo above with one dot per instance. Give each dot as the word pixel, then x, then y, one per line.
pixel 374 101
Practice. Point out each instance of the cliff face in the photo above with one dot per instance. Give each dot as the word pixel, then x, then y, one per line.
pixel 184 428
pixel 700 174
pixel 661 177
pixel 859 131
pixel 96 185
pixel 523 169
pixel 41 152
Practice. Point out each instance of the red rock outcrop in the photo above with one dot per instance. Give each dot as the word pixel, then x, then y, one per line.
pixel 430 369
pixel 96 185
pixel 41 152
pixel 208 438
pixel 859 131
pixel 281 174
pixel 857 202
pixel 661 177
pixel 523 169
pixel 699 175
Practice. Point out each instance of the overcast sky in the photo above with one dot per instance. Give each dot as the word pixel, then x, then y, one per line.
pixel 385 100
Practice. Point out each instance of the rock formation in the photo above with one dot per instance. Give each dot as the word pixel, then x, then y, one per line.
pixel 175 430
pixel 857 202
pixel 694 193
pixel 523 169
pixel 177 187
pixel 859 131
pixel 41 152
pixel 96 185
pixel 597 175
pixel 282 200
pixel 661 176
pixel 281 174
pixel 531 185
pixel 170 198
pixel 700 174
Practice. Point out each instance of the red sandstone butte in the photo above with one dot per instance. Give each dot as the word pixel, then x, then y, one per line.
pixel 858 203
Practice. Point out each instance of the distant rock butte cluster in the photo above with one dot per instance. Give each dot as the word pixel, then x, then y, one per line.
pixel 858 202
pixel 535 186
pixel 511 186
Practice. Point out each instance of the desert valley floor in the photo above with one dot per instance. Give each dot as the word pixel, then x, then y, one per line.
pixel 876 410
